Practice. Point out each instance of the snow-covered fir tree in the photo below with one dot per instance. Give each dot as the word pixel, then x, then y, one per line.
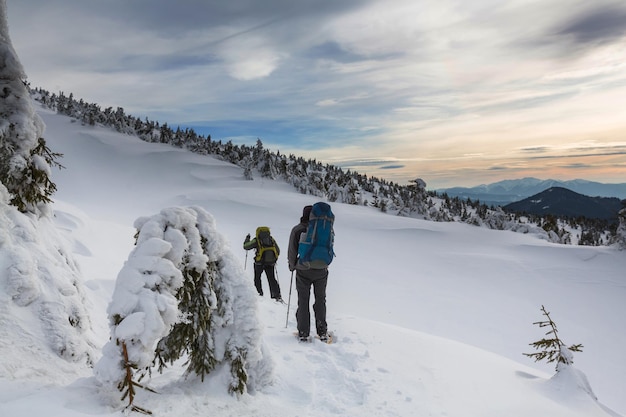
pixel 552 349
pixel 620 234
pixel 25 159
pixel 42 281
pixel 182 293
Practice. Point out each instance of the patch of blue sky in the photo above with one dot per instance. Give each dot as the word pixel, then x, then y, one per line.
pixel 275 134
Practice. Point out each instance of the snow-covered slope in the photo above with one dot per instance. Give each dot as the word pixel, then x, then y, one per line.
pixel 431 318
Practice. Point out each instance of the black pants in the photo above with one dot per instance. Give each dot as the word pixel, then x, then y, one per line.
pixel 304 280
pixel 271 279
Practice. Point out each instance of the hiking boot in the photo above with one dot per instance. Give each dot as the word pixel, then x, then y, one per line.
pixel 303 337
pixel 324 337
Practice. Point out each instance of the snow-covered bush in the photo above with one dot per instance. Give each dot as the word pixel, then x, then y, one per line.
pixel 183 293
pixel 497 219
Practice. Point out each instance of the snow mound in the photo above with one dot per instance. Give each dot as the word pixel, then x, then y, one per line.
pixel 43 307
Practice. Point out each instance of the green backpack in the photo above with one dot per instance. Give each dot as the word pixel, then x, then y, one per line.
pixel 267 252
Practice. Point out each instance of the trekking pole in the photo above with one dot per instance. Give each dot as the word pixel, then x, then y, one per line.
pixel 289 301
pixel 245 264
pixel 278 283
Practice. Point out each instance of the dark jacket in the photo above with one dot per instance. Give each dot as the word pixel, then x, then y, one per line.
pixel 294 241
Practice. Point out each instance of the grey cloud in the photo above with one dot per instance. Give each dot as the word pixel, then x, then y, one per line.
pixel 609 150
pixel 576 28
pixel 182 16
pixel 333 51
pixel 616 152
pixel 536 149
pixel 604 24
pixel 577 166
pixel 581 151
pixel 161 63
pixel 288 26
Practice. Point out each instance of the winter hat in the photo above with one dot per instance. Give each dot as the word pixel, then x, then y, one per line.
pixel 306 211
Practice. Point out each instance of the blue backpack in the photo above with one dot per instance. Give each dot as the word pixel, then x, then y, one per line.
pixel 315 249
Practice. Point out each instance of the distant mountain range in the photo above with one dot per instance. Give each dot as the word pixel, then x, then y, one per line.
pixel 561 202
pixel 508 191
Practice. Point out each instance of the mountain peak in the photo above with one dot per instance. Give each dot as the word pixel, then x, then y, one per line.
pixel 560 201
pixel 508 191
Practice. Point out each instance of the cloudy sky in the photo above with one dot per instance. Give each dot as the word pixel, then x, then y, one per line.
pixel 452 91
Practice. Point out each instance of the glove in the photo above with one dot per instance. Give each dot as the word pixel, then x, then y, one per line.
pixel 248 237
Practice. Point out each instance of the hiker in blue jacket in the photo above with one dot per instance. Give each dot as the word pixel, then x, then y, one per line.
pixel 305 278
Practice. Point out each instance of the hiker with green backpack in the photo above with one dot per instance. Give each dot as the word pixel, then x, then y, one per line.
pixel 266 255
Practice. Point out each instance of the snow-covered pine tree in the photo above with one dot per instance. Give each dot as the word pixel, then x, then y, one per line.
pixel 142 310
pixel 552 349
pixel 41 282
pixel 232 337
pixel 246 163
pixel 620 233
pixel 197 302
pixel 182 293
pixel 24 158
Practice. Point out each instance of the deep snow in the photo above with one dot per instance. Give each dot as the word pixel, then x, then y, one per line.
pixel 431 318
